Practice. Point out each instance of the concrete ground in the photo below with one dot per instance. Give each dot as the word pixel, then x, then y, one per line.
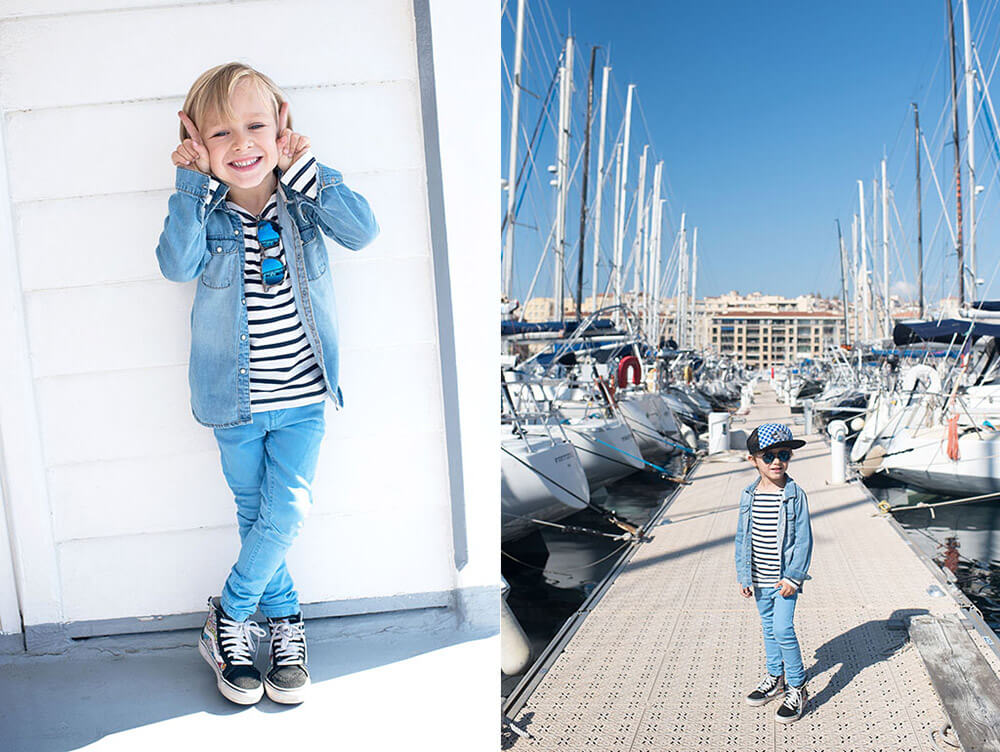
pixel 404 681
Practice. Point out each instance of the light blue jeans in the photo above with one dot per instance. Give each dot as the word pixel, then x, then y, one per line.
pixel 269 464
pixel 777 615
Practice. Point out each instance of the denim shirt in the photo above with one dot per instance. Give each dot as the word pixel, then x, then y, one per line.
pixel 794 534
pixel 202 238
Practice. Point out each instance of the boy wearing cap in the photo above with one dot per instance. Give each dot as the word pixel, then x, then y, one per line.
pixel 773 550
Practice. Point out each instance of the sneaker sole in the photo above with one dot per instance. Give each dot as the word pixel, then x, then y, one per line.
pixel 227 690
pixel 790 719
pixel 287 696
pixel 758 703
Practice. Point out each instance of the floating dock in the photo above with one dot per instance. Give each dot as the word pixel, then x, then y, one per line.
pixel 661 657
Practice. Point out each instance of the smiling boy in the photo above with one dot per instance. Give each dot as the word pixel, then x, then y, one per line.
pixel 246 217
pixel 773 551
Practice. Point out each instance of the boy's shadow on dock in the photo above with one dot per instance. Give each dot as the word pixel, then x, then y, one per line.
pixel 856 649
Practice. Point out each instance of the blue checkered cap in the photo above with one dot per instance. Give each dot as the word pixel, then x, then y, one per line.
pixel 769 434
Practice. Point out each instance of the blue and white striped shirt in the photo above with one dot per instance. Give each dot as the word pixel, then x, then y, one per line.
pixel 284 372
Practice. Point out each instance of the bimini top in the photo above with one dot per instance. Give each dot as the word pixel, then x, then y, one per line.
pixel 944 331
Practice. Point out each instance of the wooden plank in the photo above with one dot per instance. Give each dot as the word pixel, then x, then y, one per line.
pixel 965 683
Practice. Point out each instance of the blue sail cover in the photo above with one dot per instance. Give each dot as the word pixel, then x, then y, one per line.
pixel 944 331
pixel 530 327
pixel 987 305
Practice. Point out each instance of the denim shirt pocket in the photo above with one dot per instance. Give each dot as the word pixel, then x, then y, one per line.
pixel 222 261
pixel 314 251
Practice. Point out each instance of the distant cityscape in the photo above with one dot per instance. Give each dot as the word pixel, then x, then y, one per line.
pixel 757 329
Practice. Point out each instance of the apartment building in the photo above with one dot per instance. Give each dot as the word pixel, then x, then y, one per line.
pixel 767 338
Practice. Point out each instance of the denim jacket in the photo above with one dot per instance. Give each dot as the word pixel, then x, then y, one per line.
pixel 202 238
pixel 794 535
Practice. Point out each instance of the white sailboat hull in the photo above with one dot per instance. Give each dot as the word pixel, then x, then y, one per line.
pixel 606 448
pixel 926 463
pixel 540 479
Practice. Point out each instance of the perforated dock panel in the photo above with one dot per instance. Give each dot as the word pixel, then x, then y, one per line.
pixel 668 653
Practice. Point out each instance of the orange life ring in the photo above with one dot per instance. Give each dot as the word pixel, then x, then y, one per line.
pixel 626 364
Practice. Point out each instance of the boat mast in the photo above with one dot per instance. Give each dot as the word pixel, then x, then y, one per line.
pixel 863 271
pixel 600 179
pixel 872 291
pixel 970 143
pixel 958 160
pixel 615 277
pixel 694 284
pixel 681 284
pixel 920 217
pixel 843 281
pixel 562 175
pixel 622 181
pixel 887 320
pixel 508 254
pixel 653 300
pixel 640 227
pixel 854 276
pixel 586 173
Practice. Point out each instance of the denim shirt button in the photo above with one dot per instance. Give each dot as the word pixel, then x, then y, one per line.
pixel 243 370
pixel 244 301
pixel 243 336
pixel 218 249
pixel 236 232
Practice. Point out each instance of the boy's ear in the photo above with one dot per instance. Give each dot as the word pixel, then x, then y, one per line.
pixel 283 117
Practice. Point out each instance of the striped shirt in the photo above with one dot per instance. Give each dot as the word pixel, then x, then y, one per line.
pixel 284 372
pixel 765 559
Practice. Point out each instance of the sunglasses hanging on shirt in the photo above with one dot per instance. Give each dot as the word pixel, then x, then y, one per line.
pixel 272 270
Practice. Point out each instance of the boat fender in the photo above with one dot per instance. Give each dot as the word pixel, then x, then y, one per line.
pixel 515 648
pixel 689 436
pixel 951 435
pixel 627 364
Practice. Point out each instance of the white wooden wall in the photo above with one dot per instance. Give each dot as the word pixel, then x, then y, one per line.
pixel 115 496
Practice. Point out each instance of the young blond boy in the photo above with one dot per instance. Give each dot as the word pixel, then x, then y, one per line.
pixel 773 551
pixel 246 220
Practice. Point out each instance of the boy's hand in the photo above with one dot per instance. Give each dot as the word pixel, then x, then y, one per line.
pixel 747 591
pixel 785 588
pixel 192 152
pixel 291 145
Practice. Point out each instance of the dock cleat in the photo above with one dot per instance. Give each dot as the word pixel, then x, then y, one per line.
pixel 793 706
pixel 767 690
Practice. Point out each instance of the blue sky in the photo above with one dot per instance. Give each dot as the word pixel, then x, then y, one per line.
pixel 766 114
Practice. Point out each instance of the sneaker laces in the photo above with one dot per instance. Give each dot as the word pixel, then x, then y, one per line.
pixel 769 683
pixel 793 697
pixel 237 639
pixel 288 640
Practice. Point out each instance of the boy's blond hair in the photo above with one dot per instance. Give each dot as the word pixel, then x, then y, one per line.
pixel 212 92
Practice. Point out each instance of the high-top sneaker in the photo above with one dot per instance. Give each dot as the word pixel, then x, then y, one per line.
pixel 287 678
pixel 767 690
pixel 229 648
pixel 793 706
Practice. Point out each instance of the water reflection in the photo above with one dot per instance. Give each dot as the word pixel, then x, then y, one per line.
pixel 963 538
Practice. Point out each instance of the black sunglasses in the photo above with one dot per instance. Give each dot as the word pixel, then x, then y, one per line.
pixel 782 454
